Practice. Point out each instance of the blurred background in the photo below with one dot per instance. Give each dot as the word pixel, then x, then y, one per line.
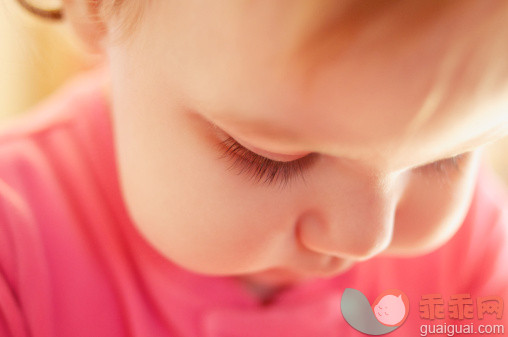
pixel 37 56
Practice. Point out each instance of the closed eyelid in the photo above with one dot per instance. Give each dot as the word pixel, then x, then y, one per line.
pixel 439 165
pixel 268 171
pixel 282 157
pixel 279 157
pixel 251 152
pixel 443 165
pixel 261 168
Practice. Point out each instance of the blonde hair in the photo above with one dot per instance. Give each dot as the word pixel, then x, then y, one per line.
pixel 128 13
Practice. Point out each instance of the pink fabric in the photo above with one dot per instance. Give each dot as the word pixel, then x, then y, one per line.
pixel 73 264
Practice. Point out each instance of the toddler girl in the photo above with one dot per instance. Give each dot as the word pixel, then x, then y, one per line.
pixel 233 166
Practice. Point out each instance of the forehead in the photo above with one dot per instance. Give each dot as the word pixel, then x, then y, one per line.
pixel 370 112
pixel 376 92
pixel 418 99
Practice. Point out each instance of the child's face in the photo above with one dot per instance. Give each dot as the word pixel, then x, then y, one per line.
pixel 362 128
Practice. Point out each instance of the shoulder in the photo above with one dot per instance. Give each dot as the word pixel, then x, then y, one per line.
pixel 488 234
pixel 32 146
pixel 55 178
pixel 81 93
pixel 485 228
pixel 59 132
pixel 46 162
pixel 492 197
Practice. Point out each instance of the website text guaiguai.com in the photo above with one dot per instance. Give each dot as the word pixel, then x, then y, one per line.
pixel 461 329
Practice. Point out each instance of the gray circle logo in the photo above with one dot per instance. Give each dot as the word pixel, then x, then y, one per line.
pixel 386 314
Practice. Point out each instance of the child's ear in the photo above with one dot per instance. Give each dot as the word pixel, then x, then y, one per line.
pixel 85 19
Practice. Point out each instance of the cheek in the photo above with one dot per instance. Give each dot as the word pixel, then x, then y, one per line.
pixel 433 208
pixel 187 204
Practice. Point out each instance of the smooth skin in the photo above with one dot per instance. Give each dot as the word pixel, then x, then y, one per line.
pixel 381 120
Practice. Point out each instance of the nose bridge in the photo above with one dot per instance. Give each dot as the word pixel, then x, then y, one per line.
pixel 351 213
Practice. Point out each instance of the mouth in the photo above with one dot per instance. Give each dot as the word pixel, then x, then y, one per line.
pixel 283 277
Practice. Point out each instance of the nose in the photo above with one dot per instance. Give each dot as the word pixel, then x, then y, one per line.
pixel 351 217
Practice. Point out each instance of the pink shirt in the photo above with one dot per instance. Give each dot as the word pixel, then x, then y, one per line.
pixel 73 264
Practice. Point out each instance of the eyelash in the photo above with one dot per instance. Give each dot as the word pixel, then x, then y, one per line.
pixel 270 171
pixel 445 165
pixel 263 169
